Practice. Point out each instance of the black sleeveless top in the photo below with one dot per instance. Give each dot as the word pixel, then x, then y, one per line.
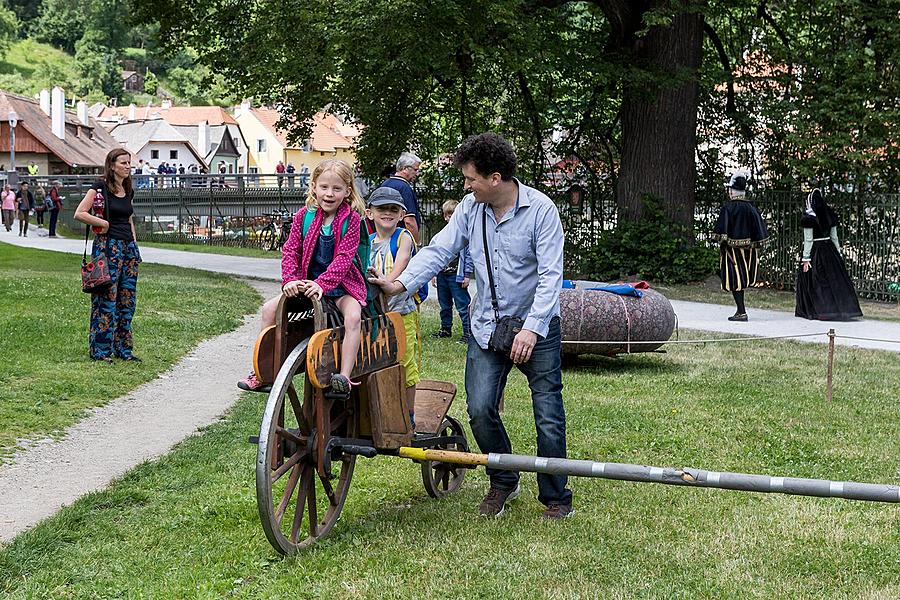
pixel 119 210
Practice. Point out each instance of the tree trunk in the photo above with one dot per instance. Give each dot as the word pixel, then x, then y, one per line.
pixel 659 126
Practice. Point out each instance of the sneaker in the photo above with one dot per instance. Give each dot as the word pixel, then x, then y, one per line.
pixel 558 511
pixel 341 384
pixel 495 501
pixel 251 383
pixel 441 333
pixel 131 358
pixel 738 317
pixel 464 340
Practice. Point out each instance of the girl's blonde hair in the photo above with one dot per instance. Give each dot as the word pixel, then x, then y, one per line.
pixel 345 172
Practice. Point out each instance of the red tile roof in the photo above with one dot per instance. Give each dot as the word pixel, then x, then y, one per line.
pixel 86 150
pixel 175 115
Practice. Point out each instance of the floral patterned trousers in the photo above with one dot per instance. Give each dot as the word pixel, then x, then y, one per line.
pixel 113 309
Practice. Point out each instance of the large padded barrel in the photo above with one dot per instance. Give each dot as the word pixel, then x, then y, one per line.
pixel 595 316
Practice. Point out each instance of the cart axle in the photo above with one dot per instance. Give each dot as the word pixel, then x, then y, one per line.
pixel 744 482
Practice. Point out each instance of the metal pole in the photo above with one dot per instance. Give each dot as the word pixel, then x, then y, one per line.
pixel 12 148
pixel 743 482
pixel 830 371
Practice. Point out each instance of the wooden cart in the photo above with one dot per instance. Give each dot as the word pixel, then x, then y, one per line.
pixel 310 438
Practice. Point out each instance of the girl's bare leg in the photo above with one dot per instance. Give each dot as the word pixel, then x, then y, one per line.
pixel 268 312
pixel 352 312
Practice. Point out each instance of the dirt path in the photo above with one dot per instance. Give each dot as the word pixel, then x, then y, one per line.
pixel 132 429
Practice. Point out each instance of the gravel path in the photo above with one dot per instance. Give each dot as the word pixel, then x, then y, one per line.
pixel 115 438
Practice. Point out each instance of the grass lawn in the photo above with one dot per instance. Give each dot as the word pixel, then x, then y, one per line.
pixel 765 298
pixel 46 377
pixel 186 525
pixel 26 56
pixel 229 250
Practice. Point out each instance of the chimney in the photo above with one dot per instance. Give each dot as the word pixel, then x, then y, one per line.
pixel 58 112
pixel 203 138
pixel 132 112
pixel 82 110
pixel 244 109
pixel 166 105
pixel 45 102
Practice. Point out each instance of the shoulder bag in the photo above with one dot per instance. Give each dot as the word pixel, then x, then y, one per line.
pixel 505 328
pixel 95 276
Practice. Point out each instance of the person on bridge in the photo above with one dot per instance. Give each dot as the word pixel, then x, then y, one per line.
pixel 319 263
pixel 107 207
pixel 740 230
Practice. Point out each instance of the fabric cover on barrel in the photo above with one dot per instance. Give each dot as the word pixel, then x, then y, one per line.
pixel 593 315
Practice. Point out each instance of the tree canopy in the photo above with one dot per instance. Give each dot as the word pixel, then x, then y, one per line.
pixel 626 88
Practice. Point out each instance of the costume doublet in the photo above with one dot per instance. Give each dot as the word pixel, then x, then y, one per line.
pixel 741 231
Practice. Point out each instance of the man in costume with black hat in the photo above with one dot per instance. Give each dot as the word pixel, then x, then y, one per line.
pixel 740 230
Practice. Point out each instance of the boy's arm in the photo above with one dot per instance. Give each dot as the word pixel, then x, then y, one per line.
pixel 404 253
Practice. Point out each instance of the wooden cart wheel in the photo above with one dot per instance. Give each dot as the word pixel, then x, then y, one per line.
pixel 297 504
pixel 441 479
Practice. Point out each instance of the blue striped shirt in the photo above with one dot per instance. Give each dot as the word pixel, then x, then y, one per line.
pixel 526 256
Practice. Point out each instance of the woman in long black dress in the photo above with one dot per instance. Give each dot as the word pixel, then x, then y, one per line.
pixel 740 230
pixel 824 289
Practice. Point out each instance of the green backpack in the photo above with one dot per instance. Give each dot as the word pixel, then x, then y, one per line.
pixel 361 261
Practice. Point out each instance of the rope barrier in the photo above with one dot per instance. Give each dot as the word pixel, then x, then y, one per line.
pixel 710 340
pixel 851 337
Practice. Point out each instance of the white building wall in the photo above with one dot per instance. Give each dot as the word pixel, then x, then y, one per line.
pixel 185 156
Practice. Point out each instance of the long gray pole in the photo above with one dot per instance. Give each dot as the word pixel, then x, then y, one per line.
pixel 744 482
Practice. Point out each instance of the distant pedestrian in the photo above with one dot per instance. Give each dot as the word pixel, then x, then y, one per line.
pixel 740 231
pixel 56 199
pixel 279 170
pixel 32 168
pixel 24 204
pixel 452 284
pixel 113 309
pixel 304 176
pixel 9 207
pixel 824 288
pixel 408 166
pixel 40 205
pixel 290 171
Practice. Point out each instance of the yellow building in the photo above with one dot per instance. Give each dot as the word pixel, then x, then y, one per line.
pixel 268 145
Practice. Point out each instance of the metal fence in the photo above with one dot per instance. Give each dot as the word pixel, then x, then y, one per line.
pixel 236 210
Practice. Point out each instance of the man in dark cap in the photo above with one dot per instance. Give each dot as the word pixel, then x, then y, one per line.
pixel 740 230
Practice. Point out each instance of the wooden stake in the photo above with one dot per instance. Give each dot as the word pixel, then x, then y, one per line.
pixel 829 373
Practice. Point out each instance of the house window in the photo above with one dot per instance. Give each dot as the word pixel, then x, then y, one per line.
pixel 260 145
pixel 154 154
pixel 307 145
pixel 173 153
pixel 236 143
pixel 253 170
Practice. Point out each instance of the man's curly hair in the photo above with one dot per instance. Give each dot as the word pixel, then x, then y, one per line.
pixel 488 153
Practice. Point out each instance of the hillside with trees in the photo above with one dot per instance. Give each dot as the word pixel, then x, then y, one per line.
pixel 84 45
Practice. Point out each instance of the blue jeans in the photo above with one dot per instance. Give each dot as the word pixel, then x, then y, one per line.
pixel 486 373
pixel 449 293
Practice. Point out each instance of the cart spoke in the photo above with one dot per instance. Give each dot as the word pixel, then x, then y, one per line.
pixel 313 509
pixel 305 484
pixel 293 460
pixel 288 491
pixel 329 490
pixel 301 441
pixel 297 407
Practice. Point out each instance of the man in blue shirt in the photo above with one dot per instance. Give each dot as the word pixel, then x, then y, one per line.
pixel 525 244
pixel 407 169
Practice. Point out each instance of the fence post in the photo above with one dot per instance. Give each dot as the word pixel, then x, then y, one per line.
pixel 829 374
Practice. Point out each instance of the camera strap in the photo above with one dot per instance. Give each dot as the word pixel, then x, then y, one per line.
pixel 490 270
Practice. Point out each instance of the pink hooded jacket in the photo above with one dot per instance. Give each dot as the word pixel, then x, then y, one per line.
pixel 298 251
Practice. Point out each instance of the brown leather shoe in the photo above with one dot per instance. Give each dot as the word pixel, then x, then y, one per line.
pixel 558 511
pixel 495 501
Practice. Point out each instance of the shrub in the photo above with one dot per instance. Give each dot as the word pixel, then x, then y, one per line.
pixel 647 249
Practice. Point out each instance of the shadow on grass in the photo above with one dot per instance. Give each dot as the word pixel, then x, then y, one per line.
pixel 590 363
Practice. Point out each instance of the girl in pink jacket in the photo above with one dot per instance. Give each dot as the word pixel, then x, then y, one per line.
pixel 320 264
